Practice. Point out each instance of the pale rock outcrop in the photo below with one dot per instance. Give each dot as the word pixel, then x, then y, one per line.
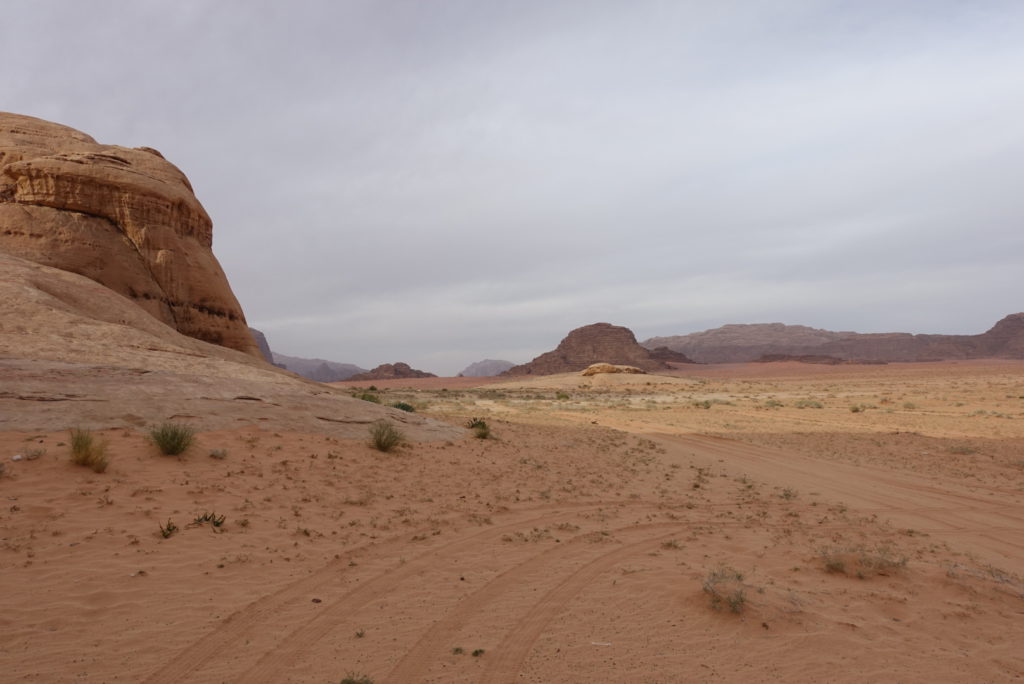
pixel 123 217
pixel 602 368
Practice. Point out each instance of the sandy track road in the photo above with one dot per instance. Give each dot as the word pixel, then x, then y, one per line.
pixel 989 525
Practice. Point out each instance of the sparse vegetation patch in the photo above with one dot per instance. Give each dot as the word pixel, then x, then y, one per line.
pixel 385 437
pixel 88 451
pixel 725 587
pixel 172 439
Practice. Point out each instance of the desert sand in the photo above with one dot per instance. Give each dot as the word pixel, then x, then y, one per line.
pixel 738 523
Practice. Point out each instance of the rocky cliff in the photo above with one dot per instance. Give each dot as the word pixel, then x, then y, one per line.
pixel 742 343
pixel 123 217
pixel 598 343
pixel 392 371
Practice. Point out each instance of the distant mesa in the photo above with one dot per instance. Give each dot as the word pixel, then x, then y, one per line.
pixel 392 371
pixel 598 343
pixel 819 359
pixel 486 368
pixel 602 368
pixel 320 370
pixel 743 343
pixel 123 217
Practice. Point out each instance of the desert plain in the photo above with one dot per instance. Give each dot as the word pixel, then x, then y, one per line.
pixel 738 523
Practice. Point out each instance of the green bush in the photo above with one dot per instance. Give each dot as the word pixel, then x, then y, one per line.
pixel 385 437
pixel 87 451
pixel 480 428
pixel 367 396
pixel 403 406
pixel 172 438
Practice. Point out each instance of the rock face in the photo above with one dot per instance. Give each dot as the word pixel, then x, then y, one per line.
pixel 320 370
pixel 392 371
pixel 597 343
pixel 123 217
pixel 486 368
pixel 742 343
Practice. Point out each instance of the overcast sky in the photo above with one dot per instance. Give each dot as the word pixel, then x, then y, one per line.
pixel 442 181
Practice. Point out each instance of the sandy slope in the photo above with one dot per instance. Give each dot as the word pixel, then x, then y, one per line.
pixel 566 551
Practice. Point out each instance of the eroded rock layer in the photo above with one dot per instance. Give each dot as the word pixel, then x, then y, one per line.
pixel 123 217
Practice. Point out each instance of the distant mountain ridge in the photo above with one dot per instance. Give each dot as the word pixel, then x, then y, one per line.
pixel 320 370
pixel 486 368
pixel 739 343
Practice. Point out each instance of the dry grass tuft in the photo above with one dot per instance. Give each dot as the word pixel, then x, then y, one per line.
pixel 87 451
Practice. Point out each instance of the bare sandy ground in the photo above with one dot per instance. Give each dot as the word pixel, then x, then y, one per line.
pixel 590 541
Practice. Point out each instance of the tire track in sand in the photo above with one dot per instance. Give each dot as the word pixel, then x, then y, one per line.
pixel 416 661
pixel 515 648
pixel 249 620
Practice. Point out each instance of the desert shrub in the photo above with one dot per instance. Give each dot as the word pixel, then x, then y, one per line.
pixel 808 403
pixel 480 428
pixel 403 406
pixel 367 396
pixel 87 451
pixel 384 436
pixel 168 529
pixel 353 678
pixel 861 561
pixel 561 396
pixel 773 403
pixel 702 404
pixel 725 587
pixel 172 439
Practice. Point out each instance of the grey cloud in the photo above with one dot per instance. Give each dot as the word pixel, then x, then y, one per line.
pixel 447 181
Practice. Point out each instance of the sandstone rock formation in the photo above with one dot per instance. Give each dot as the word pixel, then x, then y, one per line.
pixel 602 368
pixel 486 368
pixel 123 217
pixel 392 371
pixel 597 343
pixel 75 353
pixel 742 343
pixel 320 370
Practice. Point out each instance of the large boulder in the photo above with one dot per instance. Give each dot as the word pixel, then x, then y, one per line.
pixel 123 217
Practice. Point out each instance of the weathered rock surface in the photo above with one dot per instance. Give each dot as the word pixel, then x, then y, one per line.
pixel 320 370
pixel 75 353
pixel 742 343
pixel 602 368
pixel 123 217
pixel 486 368
pixel 597 343
pixel 392 371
